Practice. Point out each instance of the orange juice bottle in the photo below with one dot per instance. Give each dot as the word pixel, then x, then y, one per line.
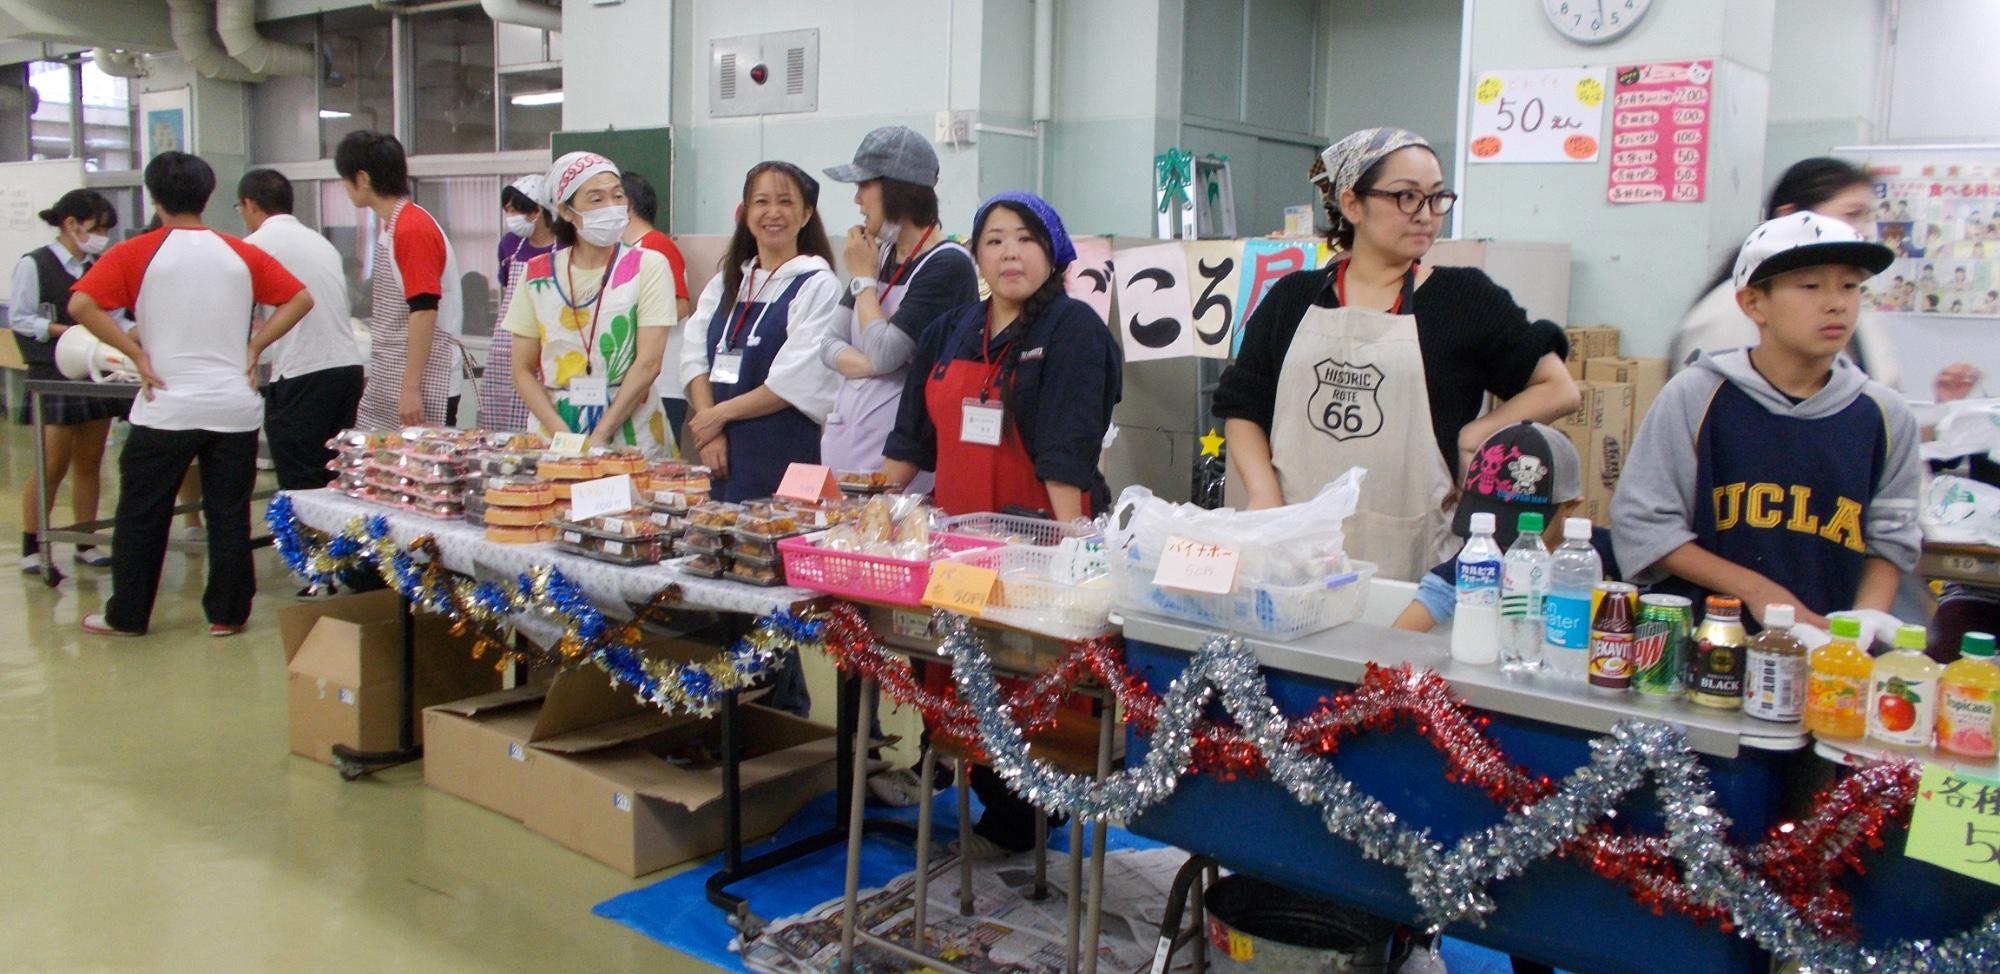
pixel 1967 695
pixel 1837 687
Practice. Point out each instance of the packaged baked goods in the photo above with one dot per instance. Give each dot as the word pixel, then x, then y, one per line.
pixel 567 468
pixel 766 524
pixel 441 509
pixel 639 523
pixel 521 535
pixel 861 481
pixel 751 548
pixel 519 516
pixel 705 565
pixel 711 540
pixel 613 461
pixel 674 500
pixel 509 463
pixel 359 441
pixel 753 574
pixel 888 525
pixel 714 515
pixel 513 442
pixel 519 492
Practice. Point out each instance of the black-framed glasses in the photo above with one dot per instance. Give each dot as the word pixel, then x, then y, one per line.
pixel 1410 201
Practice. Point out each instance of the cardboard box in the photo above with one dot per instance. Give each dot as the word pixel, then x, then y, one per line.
pixel 345 660
pixel 1586 343
pixel 477 748
pixel 655 801
pixel 1610 438
pixel 1646 376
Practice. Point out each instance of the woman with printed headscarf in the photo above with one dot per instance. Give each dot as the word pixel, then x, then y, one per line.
pixel 590 322
pixel 1381 362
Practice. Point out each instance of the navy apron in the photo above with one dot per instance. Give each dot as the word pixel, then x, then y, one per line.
pixel 759 449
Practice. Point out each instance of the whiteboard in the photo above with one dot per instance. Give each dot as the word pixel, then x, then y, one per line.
pixel 26 189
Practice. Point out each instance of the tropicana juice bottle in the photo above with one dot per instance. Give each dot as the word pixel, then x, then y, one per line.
pixel 1837 687
pixel 1902 693
pixel 1967 695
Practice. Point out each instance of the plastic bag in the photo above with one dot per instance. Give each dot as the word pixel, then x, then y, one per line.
pixel 1291 545
pixel 1958 510
pixel 1967 427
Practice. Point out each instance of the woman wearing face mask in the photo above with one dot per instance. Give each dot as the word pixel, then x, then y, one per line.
pixel 751 356
pixel 592 318
pixel 528 236
pixel 1379 361
pixel 74 428
pixel 1829 187
pixel 905 274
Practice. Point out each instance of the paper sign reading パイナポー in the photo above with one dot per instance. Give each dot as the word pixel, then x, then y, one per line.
pixel 596 498
pixel 1194 566
pixel 1154 322
pixel 568 444
pixel 1956 823
pixel 960 588
pixel 808 482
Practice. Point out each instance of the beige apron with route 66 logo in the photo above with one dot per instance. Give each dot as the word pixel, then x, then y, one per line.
pixel 1352 394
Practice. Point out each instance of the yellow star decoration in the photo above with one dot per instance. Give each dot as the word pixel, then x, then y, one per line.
pixel 1211 445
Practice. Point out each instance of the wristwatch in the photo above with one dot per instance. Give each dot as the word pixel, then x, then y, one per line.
pixel 860 284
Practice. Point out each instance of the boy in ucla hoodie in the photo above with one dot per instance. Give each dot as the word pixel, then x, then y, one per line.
pixel 1778 473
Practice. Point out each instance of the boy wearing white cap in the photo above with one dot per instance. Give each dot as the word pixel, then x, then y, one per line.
pixel 1778 473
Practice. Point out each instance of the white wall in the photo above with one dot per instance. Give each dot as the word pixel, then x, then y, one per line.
pixel 1394 62
pixel 1946 76
pixel 618 64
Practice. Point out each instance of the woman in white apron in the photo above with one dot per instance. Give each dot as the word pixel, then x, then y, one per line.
pixel 1381 362
pixel 528 236
pixel 904 275
pixel 590 321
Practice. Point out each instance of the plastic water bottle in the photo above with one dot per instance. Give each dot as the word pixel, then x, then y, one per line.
pixel 1475 626
pixel 1524 584
pixel 1574 572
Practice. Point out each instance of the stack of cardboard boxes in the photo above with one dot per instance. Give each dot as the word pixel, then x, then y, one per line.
pixel 577 759
pixel 1616 394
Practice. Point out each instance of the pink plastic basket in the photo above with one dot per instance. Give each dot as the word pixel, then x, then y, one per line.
pixel 870 578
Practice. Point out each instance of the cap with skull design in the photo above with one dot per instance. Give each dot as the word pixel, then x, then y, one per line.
pixel 1524 468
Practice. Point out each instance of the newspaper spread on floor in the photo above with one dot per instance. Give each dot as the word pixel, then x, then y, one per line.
pixel 1007 933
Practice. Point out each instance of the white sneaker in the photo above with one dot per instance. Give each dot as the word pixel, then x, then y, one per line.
pixel 93 557
pixel 32 564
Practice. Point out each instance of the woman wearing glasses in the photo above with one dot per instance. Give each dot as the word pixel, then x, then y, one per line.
pixel 1382 362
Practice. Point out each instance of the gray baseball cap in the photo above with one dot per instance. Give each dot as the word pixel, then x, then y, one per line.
pixel 890 152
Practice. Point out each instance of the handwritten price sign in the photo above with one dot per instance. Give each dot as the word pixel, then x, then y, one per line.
pixel 964 589
pixel 1555 115
pixel 1659 132
pixel 1956 823
pixel 1193 566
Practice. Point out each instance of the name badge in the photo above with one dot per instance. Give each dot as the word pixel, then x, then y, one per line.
pixel 589 390
pixel 981 422
pixel 727 368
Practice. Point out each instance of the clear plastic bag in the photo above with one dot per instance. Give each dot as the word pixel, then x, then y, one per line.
pixel 1958 510
pixel 1292 545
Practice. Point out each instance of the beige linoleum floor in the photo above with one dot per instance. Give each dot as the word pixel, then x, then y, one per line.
pixel 151 818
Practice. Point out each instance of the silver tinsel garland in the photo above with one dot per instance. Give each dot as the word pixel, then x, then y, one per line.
pixel 1449 885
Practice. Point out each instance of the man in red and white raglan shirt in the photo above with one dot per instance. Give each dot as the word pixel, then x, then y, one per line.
pixel 415 314
pixel 192 292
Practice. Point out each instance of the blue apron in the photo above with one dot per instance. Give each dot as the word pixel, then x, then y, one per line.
pixel 759 449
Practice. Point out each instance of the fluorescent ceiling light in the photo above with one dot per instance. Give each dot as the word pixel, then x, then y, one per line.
pixel 537 98
pixel 334 113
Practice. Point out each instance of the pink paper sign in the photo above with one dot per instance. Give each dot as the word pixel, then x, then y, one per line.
pixel 808 482
pixel 1659 132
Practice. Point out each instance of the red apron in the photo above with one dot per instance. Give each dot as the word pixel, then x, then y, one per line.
pixel 973 478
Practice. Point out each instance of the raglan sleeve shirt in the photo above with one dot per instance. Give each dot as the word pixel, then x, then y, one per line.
pixel 1652 513
pixel 420 258
pixel 1891 531
pixel 946 281
pixel 913 440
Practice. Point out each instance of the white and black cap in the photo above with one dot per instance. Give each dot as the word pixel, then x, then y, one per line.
pixel 1799 240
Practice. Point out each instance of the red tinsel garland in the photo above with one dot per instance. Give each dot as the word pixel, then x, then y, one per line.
pixel 1800 859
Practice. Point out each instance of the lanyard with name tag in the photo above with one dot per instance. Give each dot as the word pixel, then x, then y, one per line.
pixel 727 368
pixel 589 390
pixel 981 422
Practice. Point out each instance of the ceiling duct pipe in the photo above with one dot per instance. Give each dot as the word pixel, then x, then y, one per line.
pixel 525 13
pixel 236 23
pixel 118 64
pixel 192 23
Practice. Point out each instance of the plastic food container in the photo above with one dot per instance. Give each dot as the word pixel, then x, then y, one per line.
pixel 870 578
pixel 1013 529
pixel 1273 611
pixel 521 535
pixel 1033 594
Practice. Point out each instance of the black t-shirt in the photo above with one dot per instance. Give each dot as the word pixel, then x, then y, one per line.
pixel 940 284
pixel 1473 337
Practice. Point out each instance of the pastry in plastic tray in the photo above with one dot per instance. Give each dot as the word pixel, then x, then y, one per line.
pixel 568 468
pixel 513 442
pixel 743 571
pixel 714 515
pixel 630 524
pixel 431 469
pixel 436 493
pixel 676 475
pixel 475 518
pixel 623 551
pixel 705 565
pixel 766 525
pixel 359 440
pixel 428 507
pixel 562 488
pixel 752 550
pixel 862 481
pixel 519 517
pixel 826 514
pixel 675 500
pixel 704 540
pixel 521 535
pixel 509 463
pixel 612 462
pixel 519 492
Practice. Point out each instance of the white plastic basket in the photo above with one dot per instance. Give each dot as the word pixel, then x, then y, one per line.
pixel 1275 611
pixel 1016 530
pixel 1031 597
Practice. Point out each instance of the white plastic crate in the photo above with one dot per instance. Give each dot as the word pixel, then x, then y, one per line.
pixel 1274 611
pixel 1031 597
pixel 1016 530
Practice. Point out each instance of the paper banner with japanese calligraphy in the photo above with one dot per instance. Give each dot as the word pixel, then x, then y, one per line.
pixel 1089 279
pixel 1264 262
pixel 1659 132
pixel 1155 318
pixel 1553 115
pixel 1212 270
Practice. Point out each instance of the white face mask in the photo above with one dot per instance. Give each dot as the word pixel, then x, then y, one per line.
pixel 519 225
pixel 602 227
pixel 887 233
pixel 94 244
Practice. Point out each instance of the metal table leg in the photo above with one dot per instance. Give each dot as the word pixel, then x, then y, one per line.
pixel 1098 830
pixel 1073 925
pixel 964 836
pixel 856 799
pixel 51 576
pixel 918 940
pixel 352 764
